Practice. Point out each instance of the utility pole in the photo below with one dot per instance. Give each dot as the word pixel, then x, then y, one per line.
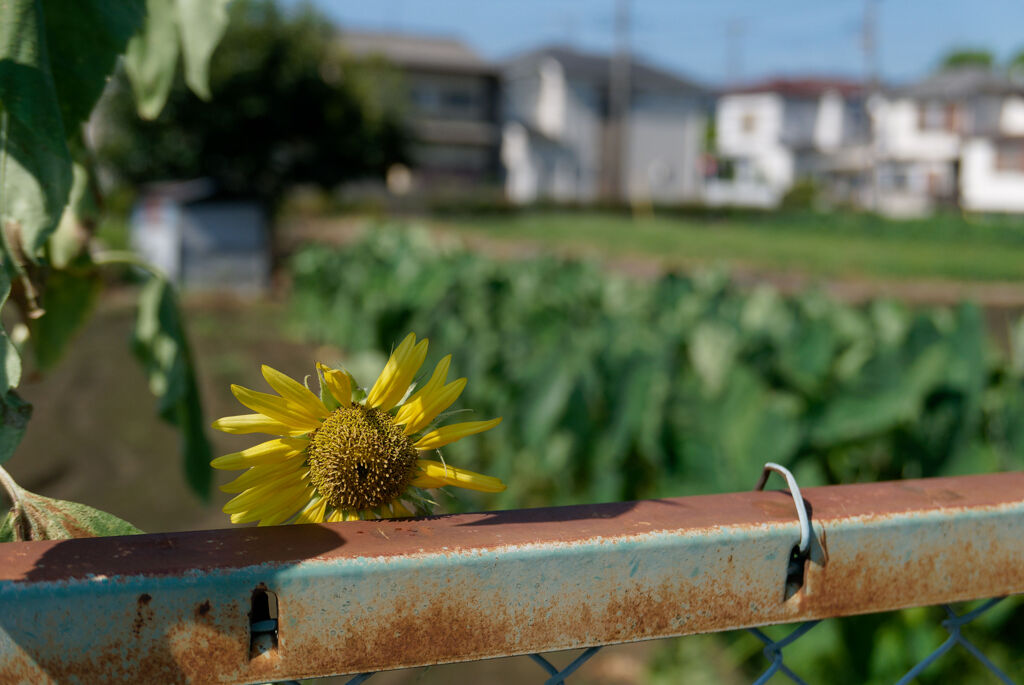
pixel 734 29
pixel 871 88
pixel 618 107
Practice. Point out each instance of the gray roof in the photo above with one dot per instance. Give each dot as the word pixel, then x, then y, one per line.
pixel 963 82
pixel 596 69
pixel 417 52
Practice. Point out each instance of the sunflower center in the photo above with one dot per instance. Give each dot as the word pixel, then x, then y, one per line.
pixel 359 459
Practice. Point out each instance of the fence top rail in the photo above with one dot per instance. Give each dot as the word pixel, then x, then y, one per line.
pixel 258 605
pixel 176 553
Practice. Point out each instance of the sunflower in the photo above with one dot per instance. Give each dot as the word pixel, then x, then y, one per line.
pixel 347 454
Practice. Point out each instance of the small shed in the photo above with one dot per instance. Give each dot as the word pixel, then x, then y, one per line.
pixel 203 242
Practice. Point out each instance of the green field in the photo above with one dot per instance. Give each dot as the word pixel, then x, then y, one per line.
pixel 831 245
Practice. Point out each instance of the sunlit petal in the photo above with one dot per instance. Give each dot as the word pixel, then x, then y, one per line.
pixel 449 434
pixel 269 452
pixel 338 383
pixel 292 390
pixel 462 478
pixel 255 423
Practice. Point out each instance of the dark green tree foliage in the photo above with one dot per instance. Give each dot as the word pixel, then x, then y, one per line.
pixel 968 57
pixel 612 389
pixel 287 108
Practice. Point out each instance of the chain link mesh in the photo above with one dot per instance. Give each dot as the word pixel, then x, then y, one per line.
pixel 773 652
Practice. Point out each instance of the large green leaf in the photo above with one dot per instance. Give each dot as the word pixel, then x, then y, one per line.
pixel 152 57
pixel 191 28
pixel 14 412
pixel 35 164
pixel 84 38
pixel 35 517
pixel 202 24
pixel 161 346
pixel 67 301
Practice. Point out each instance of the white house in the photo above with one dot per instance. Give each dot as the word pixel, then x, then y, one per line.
pixel 952 139
pixel 560 143
pixel 769 135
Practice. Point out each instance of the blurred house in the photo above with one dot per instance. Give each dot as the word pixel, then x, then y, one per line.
pixel 201 242
pixel 563 141
pixel 954 139
pixel 452 103
pixel 770 135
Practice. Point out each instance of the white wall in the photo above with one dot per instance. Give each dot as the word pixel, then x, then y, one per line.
pixel 749 127
pixel 828 124
pixel 983 188
pixel 898 135
pixel 521 175
pixel 1011 116
pixel 664 149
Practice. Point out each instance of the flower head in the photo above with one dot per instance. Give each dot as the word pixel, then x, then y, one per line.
pixel 336 458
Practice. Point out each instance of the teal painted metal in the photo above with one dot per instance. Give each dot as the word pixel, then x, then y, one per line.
pixel 366 596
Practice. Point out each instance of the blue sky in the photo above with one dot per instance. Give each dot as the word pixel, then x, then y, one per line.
pixel 775 37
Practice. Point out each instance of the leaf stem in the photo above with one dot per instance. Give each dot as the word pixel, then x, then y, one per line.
pixel 13 489
pixel 127 258
pixel 17 510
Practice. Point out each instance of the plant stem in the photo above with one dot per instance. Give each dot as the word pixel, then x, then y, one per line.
pixel 17 511
pixel 127 258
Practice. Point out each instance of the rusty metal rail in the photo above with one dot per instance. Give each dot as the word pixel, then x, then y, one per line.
pixel 256 605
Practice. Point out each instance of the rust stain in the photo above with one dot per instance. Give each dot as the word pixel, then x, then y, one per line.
pixel 143 614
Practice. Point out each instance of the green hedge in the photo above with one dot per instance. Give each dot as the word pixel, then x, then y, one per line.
pixel 615 389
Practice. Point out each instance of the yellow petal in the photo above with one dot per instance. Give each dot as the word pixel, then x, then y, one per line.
pixel 258 502
pixel 286 511
pixel 277 408
pixel 434 405
pixel 287 473
pixel 336 516
pixel 291 389
pixel 421 481
pixel 255 423
pixel 269 452
pixel 394 380
pixel 449 434
pixel 338 383
pixel 259 495
pixel 460 477
pixel 414 404
pixel 313 512
pixel 352 516
pixel 390 370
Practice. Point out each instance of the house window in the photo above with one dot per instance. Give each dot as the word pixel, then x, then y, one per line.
pixel 748 123
pixel 1010 155
pixel 939 116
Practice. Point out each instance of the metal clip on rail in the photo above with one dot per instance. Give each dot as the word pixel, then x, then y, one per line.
pixel 801 551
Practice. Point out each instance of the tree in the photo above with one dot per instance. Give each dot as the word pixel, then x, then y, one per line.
pixel 967 57
pixel 287 108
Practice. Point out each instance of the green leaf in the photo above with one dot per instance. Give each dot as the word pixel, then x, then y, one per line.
pixel 202 24
pixel 81 66
pixel 73 232
pixel 68 300
pixel 16 413
pixel 10 361
pixel 35 164
pixel 152 57
pixel 35 517
pixel 161 347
